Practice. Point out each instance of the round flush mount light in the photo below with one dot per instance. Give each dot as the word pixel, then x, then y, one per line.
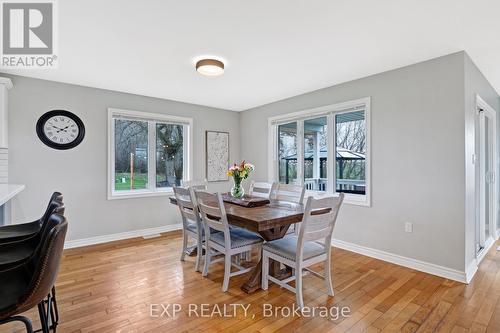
pixel 210 67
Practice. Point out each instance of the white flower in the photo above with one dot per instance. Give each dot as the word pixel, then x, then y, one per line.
pixel 250 166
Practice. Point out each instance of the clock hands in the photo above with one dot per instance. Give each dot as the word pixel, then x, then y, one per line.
pixel 60 129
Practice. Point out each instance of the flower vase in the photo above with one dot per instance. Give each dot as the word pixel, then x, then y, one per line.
pixel 237 190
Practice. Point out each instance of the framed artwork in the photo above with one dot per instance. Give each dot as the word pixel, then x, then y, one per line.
pixel 217 155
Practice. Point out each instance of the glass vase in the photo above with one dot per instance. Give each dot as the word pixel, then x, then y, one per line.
pixel 237 190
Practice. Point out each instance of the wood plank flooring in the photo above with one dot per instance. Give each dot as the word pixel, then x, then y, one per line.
pixel 110 288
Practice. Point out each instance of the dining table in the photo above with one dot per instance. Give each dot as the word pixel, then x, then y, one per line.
pixel 271 221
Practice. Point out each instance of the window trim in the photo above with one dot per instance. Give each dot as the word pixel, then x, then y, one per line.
pixel 146 116
pixel 329 111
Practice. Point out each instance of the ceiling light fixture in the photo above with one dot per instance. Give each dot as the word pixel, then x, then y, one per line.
pixel 210 67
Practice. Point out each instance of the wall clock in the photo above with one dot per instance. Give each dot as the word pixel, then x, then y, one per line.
pixel 60 129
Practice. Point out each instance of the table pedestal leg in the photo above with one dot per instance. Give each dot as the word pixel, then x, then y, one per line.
pixel 254 282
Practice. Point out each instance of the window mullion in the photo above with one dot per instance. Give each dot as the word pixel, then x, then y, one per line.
pixel 273 174
pixel 185 154
pixel 112 149
pixel 151 155
pixel 300 152
pixel 331 165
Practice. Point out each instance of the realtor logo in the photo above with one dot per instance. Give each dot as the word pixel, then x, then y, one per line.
pixel 28 32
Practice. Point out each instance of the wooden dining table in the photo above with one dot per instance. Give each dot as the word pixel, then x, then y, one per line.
pixel 271 221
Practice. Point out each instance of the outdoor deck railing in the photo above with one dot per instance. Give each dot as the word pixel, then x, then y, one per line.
pixel 347 185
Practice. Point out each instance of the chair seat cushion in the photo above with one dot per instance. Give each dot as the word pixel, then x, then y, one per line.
pixel 287 248
pixel 191 226
pixel 239 237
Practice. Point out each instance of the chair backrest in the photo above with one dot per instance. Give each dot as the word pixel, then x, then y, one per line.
pixel 195 184
pixel 44 264
pixel 55 206
pixel 56 197
pixel 187 205
pixel 213 213
pixel 319 220
pixel 288 192
pixel 261 189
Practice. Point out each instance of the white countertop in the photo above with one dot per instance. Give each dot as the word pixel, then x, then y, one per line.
pixel 8 191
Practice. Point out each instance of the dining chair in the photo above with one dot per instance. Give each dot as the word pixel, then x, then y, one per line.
pixel 288 192
pixel 302 251
pixel 291 193
pixel 191 221
pixel 229 241
pixel 261 189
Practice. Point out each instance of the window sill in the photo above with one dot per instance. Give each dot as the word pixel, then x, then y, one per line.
pixel 349 198
pixel 118 195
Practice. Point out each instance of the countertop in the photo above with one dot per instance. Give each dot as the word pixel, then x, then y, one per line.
pixel 8 191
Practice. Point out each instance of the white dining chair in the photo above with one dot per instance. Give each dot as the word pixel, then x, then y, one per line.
pixel 291 193
pixel 229 241
pixel 302 251
pixel 191 222
pixel 261 189
pixel 288 192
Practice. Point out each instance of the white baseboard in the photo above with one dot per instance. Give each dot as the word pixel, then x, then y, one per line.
pixel 471 271
pixel 415 264
pixel 119 236
pixel 449 273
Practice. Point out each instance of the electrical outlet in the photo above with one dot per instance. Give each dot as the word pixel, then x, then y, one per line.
pixel 408 227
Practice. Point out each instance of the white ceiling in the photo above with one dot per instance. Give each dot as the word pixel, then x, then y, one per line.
pixel 273 49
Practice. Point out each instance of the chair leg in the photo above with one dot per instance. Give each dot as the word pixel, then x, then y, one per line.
pixel 184 245
pixel 298 286
pixel 54 313
pixel 248 256
pixel 43 317
pixel 207 259
pixel 328 275
pixel 24 320
pixel 198 255
pixel 265 270
pixel 227 271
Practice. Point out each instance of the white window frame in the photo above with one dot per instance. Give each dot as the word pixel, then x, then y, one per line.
pixel 151 118
pixel 329 111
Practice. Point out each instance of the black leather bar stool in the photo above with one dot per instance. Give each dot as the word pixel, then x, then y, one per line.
pixel 26 285
pixel 15 252
pixel 15 232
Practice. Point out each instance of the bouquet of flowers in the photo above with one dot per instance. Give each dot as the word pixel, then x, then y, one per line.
pixel 239 172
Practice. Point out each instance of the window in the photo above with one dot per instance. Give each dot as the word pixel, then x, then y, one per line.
pixel 302 143
pixel 350 156
pixel 148 153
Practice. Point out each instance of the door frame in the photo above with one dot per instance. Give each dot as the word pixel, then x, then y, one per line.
pixel 484 110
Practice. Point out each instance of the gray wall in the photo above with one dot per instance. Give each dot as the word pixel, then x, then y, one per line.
pixel 418 155
pixel 417 158
pixel 474 84
pixel 81 173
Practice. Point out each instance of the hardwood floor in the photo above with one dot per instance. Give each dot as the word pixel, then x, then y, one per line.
pixel 110 288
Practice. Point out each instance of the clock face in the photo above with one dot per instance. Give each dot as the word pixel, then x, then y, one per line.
pixel 60 129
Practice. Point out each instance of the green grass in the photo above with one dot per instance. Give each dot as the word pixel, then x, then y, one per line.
pixel 140 181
